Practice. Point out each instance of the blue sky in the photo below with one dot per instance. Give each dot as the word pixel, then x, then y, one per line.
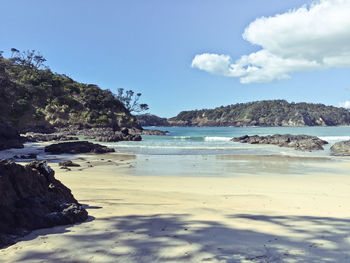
pixel 149 46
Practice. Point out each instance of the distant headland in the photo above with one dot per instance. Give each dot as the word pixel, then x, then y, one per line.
pixel 258 113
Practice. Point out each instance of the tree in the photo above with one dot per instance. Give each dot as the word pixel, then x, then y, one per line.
pixel 29 59
pixel 14 52
pixel 131 100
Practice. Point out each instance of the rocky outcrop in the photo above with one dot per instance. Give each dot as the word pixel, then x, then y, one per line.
pixel 298 142
pixel 31 198
pixel 103 134
pixel 148 132
pixel 108 135
pixel 9 137
pixel 40 137
pixel 77 147
pixel 28 156
pixel 341 148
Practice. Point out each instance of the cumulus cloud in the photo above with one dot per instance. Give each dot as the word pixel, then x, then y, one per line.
pixel 309 38
pixel 345 104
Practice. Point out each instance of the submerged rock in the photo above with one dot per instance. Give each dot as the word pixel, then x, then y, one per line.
pixel 31 198
pixel 77 147
pixel 298 142
pixel 342 148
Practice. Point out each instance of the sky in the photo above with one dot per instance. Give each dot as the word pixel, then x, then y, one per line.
pixel 191 54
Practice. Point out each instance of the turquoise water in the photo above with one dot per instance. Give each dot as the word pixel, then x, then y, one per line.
pixel 216 141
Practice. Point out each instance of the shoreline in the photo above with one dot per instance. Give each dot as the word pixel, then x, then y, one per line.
pixel 247 218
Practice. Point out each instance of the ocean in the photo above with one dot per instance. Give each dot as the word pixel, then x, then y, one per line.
pixel 216 141
pixel 208 152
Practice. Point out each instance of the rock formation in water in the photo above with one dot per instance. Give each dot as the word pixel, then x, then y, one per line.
pixel 298 142
pixel 342 148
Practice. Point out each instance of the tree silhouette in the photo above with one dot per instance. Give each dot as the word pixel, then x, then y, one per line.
pixel 131 100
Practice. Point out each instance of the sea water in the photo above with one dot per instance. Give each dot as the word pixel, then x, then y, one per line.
pixel 216 141
pixel 209 151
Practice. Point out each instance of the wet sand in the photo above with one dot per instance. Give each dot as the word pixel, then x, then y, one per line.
pixel 281 216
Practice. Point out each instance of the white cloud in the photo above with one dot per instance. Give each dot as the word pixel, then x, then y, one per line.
pixel 309 38
pixel 345 104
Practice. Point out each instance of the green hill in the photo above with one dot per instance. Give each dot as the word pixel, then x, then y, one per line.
pixel 32 97
pixel 265 113
pixel 151 120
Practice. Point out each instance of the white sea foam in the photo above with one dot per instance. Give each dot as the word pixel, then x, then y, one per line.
pixel 214 147
pixel 335 138
pixel 182 137
pixel 209 139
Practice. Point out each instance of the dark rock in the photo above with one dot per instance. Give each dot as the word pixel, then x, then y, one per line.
pixel 65 168
pixel 124 131
pixel 106 134
pixel 342 148
pixel 31 198
pixel 29 156
pixel 9 137
pixel 68 164
pixel 298 142
pixel 149 132
pixel 77 147
pixel 109 135
pixel 41 129
pixel 39 137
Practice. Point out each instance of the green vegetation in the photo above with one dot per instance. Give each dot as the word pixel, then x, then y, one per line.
pixel 31 95
pixel 265 113
pixel 151 120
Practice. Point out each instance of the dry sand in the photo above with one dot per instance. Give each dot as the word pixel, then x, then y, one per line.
pixel 246 218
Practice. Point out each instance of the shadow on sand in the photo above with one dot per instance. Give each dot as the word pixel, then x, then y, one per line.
pixel 155 238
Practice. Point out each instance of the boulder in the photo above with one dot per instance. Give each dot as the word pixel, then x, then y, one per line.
pixel 68 164
pixel 9 137
pixel 31 198
pixel 342 148
pixel 77 147
pixel 298 142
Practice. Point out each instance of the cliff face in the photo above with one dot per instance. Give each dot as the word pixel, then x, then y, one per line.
pixel 38 99
pixel 265 113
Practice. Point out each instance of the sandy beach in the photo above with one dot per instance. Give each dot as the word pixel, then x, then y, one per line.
pixel 245 218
